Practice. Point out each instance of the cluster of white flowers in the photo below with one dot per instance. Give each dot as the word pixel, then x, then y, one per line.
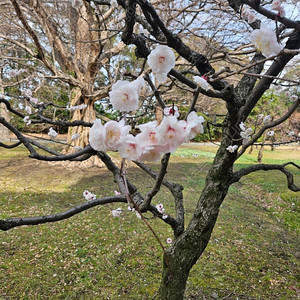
pixel 89 196
pixel 81 106
pixel 270 133
pixel 231 148
pixel 52 133
pixel 245 133
pixel 277 5
pixel 202 82
pixel 265 41
pixel 161 60
pixel 153 141
pixel 248 15
pixel 27 120
pixel 161 209
pixel 124 95
pixel 13 72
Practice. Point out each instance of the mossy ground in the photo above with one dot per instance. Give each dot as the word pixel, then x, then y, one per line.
pixel 253 253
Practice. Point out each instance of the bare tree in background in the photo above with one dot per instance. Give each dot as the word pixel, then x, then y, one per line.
pixel 177 27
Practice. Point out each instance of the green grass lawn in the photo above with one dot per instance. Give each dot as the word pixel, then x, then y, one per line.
pixel 253 253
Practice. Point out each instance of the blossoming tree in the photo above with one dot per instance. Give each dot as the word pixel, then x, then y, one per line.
pixel 276 38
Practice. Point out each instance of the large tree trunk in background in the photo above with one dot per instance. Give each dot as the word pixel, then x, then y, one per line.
pixel 86 59
pixel 4 132
pixel 189 246
pixel 87 115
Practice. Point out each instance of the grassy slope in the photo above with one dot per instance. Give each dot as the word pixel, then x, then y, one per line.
pixel 253 254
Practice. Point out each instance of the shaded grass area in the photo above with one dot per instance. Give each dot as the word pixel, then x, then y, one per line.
pixel 253 253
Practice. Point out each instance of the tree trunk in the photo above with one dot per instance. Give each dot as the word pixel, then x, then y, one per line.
pixel 4 132
pixel 87 114
pixel 189 246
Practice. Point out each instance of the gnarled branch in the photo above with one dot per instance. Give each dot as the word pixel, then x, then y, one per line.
pixel 15 222
pixel 267 167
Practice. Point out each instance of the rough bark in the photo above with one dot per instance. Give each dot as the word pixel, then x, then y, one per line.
pixel 191 244
pixel 4 132
pixel 87 115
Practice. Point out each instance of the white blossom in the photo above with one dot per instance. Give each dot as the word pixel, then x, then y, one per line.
pixel 287 93
pixel 52 133
pixel 294 98
pixel 202 83
pixel 243 126
pixel 169 241
pixel 270 133
pixel 89 196
pixel 161 60
pixel 265 41
pixel 27 120
pixel 164 216
pixel 124 96
pixel 96 136
pixel 171 111
pixel 232 149
pixel 276 4
pixel 160 208
pixel 28 109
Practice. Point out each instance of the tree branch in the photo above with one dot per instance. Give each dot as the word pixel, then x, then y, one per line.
pixel 276 67
pixel 10 146
pixel 271 15
pixel 270 125
pixel 158 183
pixel 15 222
pixel 267 167
pixel 176 190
